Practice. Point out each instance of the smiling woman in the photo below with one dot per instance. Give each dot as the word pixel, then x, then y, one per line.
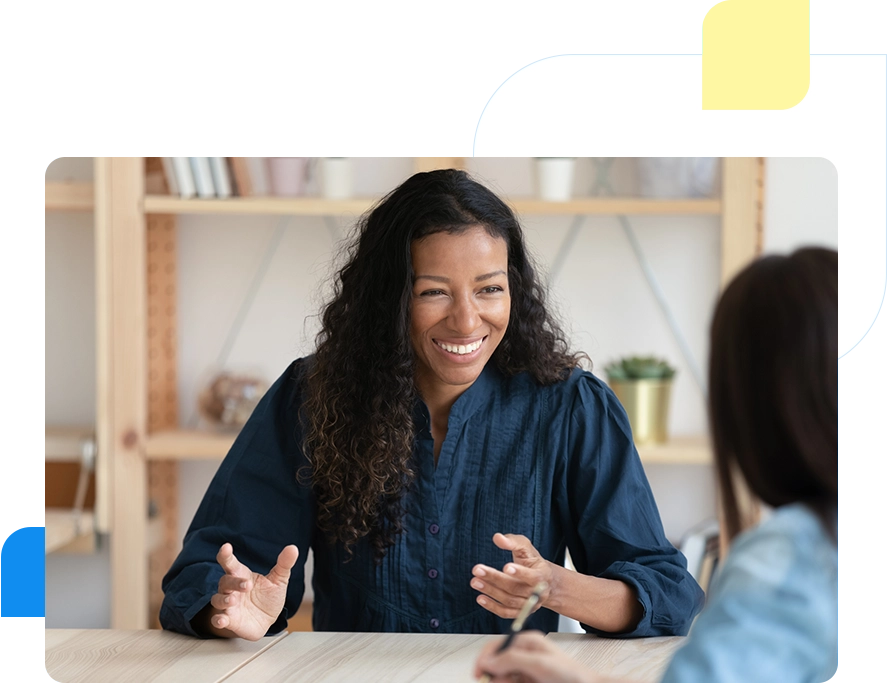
pixel 459 314
pixel 439 452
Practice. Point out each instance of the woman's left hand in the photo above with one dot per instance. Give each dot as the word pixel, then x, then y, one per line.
pixel 504 592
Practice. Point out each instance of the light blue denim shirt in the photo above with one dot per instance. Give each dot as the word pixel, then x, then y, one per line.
pixel 773 610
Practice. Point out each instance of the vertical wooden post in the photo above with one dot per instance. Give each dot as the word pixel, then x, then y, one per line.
pixel 741 225
pixel 121 304
pixel 162 397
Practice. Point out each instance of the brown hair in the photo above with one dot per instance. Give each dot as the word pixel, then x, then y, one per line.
pixel 773 384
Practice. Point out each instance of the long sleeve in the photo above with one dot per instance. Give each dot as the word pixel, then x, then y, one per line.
pixel 256 502
pixel 614 530
pixel 773 610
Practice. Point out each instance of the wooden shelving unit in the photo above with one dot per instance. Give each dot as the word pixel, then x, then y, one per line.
pixel 679 450
pixel 70 529
pixel 136 430
pixel 79 197
pixel 67 532
pixel 70 197
pixel 189 444
pixel 183 444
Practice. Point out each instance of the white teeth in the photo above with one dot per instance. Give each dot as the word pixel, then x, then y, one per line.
pixel 461 349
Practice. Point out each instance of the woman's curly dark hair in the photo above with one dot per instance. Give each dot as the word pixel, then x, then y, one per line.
pixel 360 395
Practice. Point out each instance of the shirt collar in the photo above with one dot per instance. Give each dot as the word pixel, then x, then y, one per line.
pixel 475 396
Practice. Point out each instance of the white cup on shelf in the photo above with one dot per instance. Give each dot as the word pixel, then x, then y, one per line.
pixel 336 177
pixel 554 178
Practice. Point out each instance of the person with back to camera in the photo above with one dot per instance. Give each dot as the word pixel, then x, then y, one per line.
pixel 439 452
pixel 773 405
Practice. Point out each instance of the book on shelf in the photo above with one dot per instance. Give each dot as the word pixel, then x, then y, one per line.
pixel 203 177
pixel 169 173
pixel 184 177
pixel 243 185
pixel 155 176
pixel 259 175
pixel 221 176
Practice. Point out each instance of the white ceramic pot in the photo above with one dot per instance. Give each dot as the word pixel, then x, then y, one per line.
pixel 336 177
pixel 554 178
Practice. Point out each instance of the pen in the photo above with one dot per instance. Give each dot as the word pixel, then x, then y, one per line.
pixel 518 624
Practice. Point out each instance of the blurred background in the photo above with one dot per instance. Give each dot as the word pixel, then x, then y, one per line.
pixel 159 292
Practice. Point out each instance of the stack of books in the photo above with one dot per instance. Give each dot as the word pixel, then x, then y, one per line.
pixel 216 177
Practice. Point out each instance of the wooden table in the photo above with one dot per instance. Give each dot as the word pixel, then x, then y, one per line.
pixel 96 655
pixel 100 656
pixel 643 659
pixel 367 657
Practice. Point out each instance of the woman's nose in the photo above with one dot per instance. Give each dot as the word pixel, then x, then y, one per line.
pixel 464 316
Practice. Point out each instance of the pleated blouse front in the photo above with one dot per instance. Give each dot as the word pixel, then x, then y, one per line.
pixel 555 464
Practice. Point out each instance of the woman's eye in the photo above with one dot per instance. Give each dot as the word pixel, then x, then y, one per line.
pixel 492 289
pixel 431 292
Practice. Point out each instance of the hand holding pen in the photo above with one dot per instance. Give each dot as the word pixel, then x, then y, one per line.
pixel 518 624
pixel 533 658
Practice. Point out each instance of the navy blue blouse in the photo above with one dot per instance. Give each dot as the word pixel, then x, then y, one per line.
pixel 556 464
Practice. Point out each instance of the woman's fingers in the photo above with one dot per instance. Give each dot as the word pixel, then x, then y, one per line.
pixel 497 608
pixel 234 584
pixel 220 620
pixel 231 564
pixel 504 594
pixel 530 655
pixel 504 597
pixel 529 640
pixel 519 545
pixel 519 584
pixel 225 600
pixel 280 572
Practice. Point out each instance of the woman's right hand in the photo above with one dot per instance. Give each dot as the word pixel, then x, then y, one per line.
pixel 532 658
pixel 247 604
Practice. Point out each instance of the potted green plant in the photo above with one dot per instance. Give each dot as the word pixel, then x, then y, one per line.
pixel 643 386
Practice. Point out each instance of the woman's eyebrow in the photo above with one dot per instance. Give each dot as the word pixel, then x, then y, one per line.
pixel 441 278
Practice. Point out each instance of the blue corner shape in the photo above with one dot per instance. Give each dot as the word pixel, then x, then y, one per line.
pixel 23 575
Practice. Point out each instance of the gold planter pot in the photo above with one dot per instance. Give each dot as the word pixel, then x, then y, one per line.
pixel 646 403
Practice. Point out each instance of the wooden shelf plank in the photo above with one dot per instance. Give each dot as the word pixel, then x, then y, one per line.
pixel 679 450
pixel 198 445
pixel 63 533
pixel 317 206
pixel 79 197
pixel 185 444
pixel 69 197
pixel 65 443
pixel 295 206
pixel 618 205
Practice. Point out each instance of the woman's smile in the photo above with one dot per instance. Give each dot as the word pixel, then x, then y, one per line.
pixel 461 351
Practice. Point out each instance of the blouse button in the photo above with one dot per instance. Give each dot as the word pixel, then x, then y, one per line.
pixel 432 573
pixel 434 528
pixel 435 623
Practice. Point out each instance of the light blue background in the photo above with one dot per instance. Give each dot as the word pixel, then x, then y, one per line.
pixel 263 76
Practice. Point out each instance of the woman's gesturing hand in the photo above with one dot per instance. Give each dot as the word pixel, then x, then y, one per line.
pixel 248 603
pixel 504 592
